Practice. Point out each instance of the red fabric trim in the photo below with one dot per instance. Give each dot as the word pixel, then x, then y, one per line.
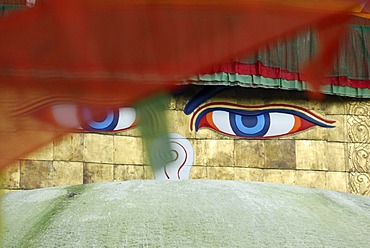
pixel 258 69
pixel 14 2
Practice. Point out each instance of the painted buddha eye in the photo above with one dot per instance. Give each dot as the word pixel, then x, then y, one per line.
pixel 256 122
pixel 83 118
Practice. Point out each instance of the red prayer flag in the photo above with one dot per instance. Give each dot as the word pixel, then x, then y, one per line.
pixel 113 53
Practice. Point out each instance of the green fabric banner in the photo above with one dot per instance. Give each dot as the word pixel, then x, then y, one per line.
pixel 262 82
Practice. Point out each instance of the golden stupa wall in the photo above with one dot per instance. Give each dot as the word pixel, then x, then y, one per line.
pixel 329 158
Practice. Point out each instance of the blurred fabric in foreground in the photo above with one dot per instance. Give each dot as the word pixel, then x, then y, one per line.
pixel 107 54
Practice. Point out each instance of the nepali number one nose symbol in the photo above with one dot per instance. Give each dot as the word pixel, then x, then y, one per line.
pixel 182 158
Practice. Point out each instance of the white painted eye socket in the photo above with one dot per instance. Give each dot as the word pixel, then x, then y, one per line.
pixel 70 116
pixel 66 115
pixel 280 124
pixel 219 118
pixel 127 117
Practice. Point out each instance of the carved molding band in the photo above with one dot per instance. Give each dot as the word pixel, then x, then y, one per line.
pixel 359 148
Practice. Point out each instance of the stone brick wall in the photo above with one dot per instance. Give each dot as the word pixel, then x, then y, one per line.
pixel 330 158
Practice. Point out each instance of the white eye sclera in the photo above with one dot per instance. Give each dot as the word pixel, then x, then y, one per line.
pixel 280 123
pixel 129 118
pixel 66 115
pixel 219 118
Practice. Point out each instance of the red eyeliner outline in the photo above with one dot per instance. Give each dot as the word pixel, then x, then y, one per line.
pixel 258 137
pixel 259 107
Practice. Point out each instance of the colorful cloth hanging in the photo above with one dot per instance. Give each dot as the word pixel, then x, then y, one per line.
pixel 279 65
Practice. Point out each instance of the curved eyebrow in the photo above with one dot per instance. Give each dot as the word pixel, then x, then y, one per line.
pixel 202 96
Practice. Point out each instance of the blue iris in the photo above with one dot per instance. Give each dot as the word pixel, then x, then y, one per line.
pixel 108 124
pixel 250 125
